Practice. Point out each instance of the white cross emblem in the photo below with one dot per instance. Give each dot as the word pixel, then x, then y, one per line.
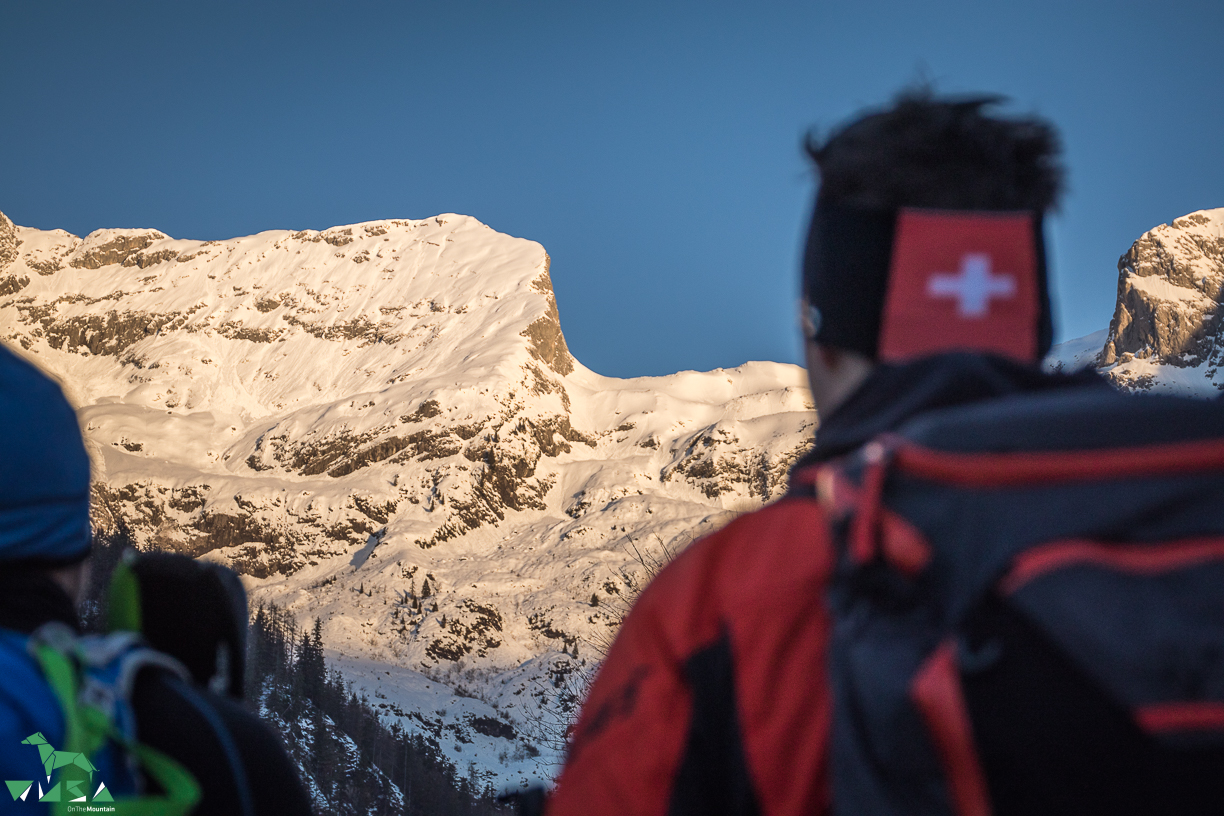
pixel 973 286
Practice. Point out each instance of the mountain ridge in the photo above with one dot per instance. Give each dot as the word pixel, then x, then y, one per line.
pixel 381 425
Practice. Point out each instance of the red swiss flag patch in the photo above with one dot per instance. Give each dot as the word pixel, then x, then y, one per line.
pixel 961 281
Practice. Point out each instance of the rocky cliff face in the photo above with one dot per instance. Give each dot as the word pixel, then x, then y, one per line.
pixel 8 253
pixel 1166 331
pixel 381 425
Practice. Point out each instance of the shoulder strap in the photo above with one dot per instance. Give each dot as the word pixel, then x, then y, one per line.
pixel 851 488
pixel 92 679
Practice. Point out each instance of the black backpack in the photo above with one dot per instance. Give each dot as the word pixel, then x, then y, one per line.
pixel 1029 610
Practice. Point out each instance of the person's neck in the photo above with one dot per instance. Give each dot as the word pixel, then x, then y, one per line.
pixel 834 375
pixel 31 597
pixel 894 393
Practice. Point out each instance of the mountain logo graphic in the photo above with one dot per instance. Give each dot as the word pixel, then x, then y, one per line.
pixel 74 780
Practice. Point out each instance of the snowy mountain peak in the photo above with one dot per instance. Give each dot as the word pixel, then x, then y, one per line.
pixel 324 353
pixel 433 289
pixel 381 425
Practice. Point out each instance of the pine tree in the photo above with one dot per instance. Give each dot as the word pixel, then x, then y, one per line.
pixel 285 659
pixel 325 753
pixel 310 663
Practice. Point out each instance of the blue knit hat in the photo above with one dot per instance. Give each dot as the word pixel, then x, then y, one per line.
pixel 44 471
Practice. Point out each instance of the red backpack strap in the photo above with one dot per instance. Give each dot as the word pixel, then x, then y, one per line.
pixel 1019 468
pixel 937 694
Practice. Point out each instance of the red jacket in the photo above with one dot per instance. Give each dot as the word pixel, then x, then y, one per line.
pixel 714 698
pixel 739 618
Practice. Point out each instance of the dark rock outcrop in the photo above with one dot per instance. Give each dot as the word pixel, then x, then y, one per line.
pixel 547 342
pixel 8 242
pixel 117 250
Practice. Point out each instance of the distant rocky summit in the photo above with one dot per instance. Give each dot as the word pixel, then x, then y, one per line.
pixel 1166 333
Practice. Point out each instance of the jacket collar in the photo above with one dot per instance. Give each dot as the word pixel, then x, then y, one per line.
pixel 895 393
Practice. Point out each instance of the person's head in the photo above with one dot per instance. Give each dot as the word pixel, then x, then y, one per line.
pixel 44 480
pixel 947 157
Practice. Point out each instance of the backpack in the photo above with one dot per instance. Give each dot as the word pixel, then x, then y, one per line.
pixel 1028 609
pixel 92 678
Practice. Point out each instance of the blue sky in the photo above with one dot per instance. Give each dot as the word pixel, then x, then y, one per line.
pixel 652 148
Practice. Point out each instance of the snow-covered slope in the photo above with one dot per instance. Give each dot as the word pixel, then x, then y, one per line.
pixel 381 425
pixel 1072 355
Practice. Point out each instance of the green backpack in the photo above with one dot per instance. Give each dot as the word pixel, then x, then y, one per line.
pixel 92 677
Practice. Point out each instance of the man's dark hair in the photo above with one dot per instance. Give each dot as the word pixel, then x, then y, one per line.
pixel 921 152
pixel 940 153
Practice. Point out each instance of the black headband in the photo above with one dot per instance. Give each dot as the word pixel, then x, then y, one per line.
pixel 846 267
